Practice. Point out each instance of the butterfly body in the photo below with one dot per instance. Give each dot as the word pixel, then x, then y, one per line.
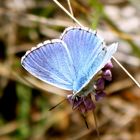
pixel 70 62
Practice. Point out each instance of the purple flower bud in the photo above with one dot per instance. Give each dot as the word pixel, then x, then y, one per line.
pixel 99 95
pixel 82 108
pixel 88 103
pixel 109 65
pixel 100 84
pixel 107 75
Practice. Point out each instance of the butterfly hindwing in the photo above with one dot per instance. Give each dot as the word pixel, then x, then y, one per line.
pixel 87 73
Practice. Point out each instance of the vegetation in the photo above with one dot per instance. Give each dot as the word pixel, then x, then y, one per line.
pixel 25 101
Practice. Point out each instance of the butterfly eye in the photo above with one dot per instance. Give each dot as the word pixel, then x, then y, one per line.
pixel 104 49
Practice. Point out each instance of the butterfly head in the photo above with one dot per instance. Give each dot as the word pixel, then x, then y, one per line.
pixel 82 103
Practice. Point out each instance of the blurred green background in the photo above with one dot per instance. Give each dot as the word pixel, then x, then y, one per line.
pixel 25 101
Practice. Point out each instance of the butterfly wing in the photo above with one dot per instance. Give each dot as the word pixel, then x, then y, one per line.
pixel 51 63
pixel 87 72
pixel 83 45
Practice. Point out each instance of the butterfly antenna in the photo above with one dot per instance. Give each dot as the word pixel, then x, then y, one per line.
pixel 57 105
pixel 96 125
pixel 71 16
pixel 85 120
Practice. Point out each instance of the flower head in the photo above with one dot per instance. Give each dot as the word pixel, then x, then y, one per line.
pixel 107 75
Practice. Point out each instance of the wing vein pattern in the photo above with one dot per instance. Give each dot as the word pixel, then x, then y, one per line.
pixel 51 63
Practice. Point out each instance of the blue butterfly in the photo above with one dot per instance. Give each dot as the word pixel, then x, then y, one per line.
pixel 70 62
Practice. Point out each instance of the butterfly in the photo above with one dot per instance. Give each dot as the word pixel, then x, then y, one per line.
pixel 70 62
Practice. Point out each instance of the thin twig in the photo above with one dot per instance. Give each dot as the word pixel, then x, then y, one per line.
pixel 96 125
pixel 132 78
pixel 70 8
pixel 68 13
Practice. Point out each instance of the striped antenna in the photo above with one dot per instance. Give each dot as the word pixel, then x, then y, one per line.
pixel 71 16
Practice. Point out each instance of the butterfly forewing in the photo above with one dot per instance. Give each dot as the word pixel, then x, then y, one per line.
pixel 51 63
pixel 83 45
pixel 86 48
